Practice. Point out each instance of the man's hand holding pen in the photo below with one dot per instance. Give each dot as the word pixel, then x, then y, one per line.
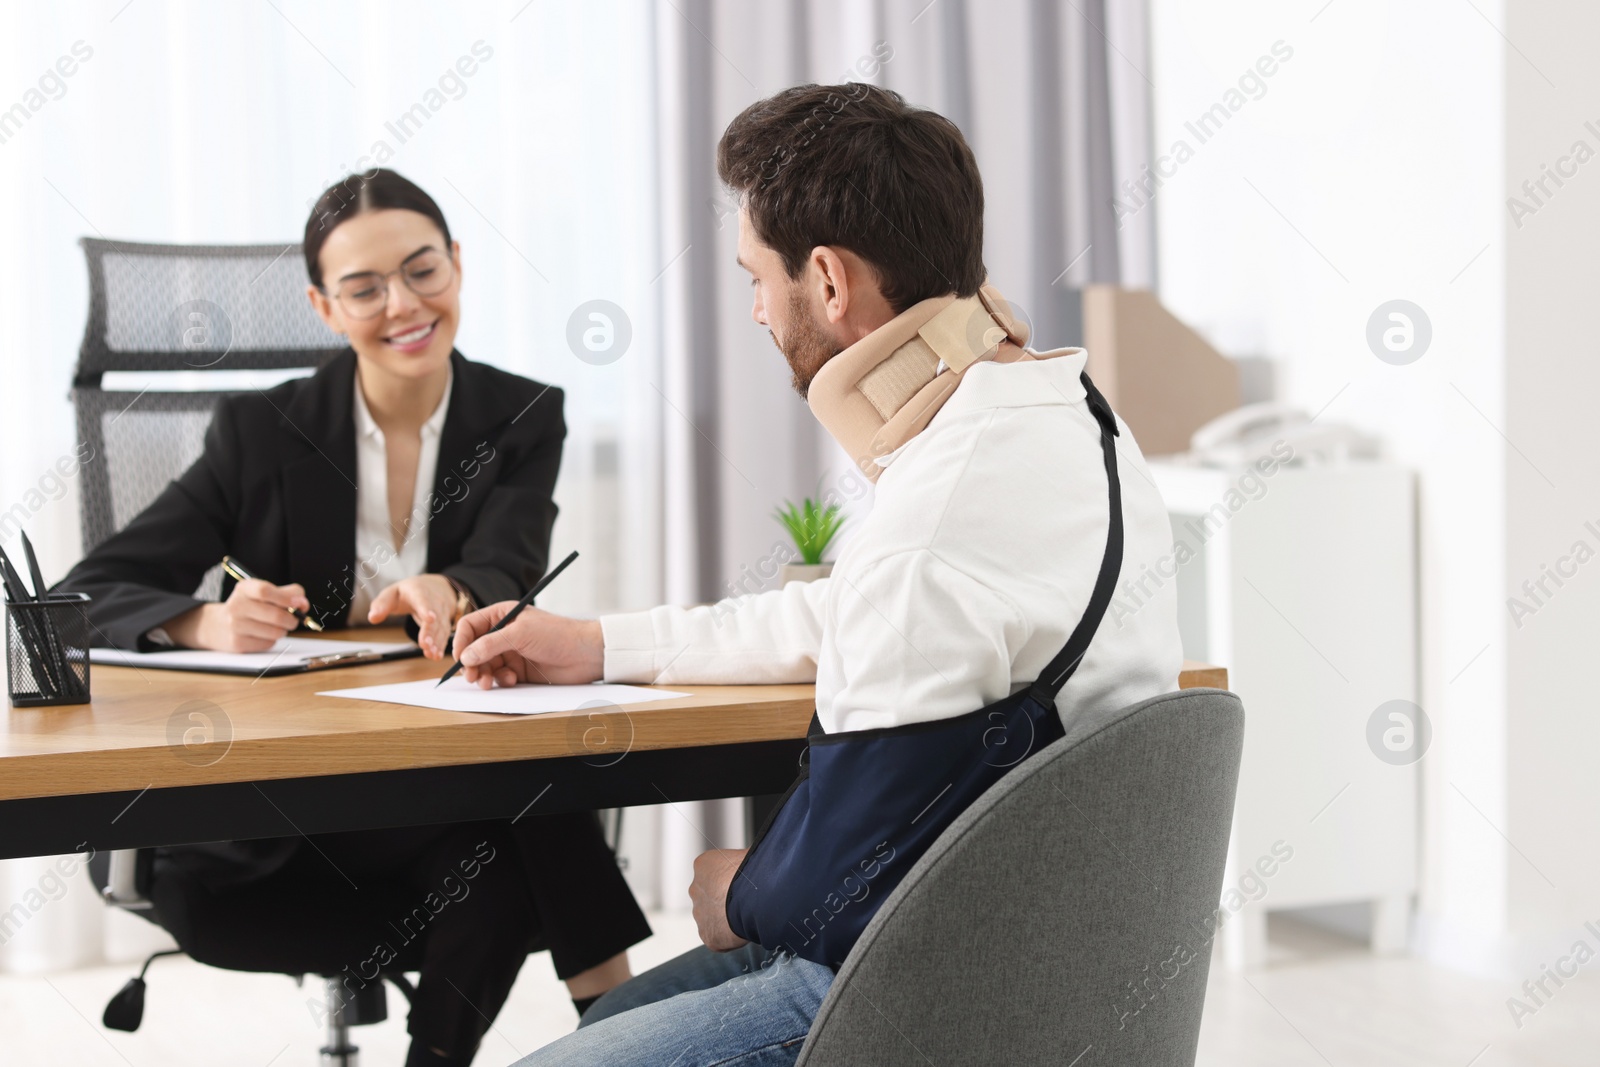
pixel 536 647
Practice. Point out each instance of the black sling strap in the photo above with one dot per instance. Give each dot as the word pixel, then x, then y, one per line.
pixel 1059 669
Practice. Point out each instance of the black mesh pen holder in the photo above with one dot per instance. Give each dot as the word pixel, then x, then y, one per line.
pixel 47 651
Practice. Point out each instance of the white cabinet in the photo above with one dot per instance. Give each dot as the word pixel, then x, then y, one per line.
pixel 1302 582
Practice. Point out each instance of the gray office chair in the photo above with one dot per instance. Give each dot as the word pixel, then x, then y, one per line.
pixel 163 308
pixel 1064 919
pixel 198 310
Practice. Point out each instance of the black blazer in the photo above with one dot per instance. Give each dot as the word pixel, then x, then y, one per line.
pixel 276 487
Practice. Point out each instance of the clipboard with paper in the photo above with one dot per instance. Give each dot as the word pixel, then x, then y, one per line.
pixel 291 655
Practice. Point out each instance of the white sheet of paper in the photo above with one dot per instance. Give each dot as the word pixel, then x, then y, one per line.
pixel 460 695
pixel 287 652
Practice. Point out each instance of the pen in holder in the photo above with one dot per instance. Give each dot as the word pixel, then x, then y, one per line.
pixel 47 650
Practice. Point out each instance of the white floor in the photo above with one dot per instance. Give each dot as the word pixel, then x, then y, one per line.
pixel 1326 1000
pixel 1321 1001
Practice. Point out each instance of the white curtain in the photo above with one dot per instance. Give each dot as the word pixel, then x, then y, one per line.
pixel 574 164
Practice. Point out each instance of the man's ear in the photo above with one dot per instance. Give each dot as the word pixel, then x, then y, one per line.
pixel 832 281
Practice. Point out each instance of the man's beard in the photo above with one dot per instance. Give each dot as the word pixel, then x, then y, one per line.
pixel 808 344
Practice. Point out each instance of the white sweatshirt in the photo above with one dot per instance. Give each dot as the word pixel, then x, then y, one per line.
pixel 975 563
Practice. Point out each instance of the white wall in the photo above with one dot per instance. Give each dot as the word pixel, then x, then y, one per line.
pixel 1369 169
pixel 1552 382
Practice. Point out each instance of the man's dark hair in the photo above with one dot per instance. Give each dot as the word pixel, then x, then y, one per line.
pixel 855 166
pixel 374 190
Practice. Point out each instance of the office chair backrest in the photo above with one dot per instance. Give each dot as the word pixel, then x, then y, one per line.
pixel 1067 916
pixel 207 311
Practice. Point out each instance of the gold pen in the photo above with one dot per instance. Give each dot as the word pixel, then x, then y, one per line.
pixel 240 573
pixel 342 659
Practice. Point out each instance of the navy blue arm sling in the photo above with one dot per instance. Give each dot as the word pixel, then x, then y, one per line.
pixel 869 803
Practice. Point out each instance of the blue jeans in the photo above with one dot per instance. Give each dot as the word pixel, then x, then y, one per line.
pixel 747 1008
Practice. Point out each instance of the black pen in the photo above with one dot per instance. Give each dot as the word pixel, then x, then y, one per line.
pixel 512 614
pixel 17 593
pixel 52 640
pixel 241 573
pixel 33 566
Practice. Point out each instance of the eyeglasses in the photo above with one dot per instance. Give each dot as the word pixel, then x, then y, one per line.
pixel 427 272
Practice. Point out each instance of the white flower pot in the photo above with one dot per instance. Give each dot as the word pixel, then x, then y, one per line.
pixel 803 572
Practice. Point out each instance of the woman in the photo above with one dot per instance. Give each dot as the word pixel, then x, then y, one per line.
pixel 399 480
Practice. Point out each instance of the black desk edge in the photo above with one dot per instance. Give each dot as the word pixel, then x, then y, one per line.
pixel 239 811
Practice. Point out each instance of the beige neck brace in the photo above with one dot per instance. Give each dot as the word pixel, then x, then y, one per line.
pixel 883 390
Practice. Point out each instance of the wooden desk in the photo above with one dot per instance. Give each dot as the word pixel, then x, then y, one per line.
pixel 165 757
pixel 1197 675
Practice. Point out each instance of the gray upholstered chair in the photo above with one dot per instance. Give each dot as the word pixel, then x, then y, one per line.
pixel 1064 919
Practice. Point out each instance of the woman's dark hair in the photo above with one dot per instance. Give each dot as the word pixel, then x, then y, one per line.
pixel 857 167
pixel 373 190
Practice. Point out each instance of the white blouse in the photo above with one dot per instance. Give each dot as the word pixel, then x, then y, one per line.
pixel 378 564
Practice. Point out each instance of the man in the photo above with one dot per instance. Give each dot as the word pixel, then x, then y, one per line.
pixel 861 225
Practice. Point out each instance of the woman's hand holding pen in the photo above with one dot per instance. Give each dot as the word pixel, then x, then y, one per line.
pixel 252 619
pixel 536 647
pixel 429 599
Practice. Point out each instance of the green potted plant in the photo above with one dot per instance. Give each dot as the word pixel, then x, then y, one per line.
pixel 812 526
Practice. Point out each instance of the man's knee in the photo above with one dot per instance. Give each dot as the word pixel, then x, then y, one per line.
pixel 695 970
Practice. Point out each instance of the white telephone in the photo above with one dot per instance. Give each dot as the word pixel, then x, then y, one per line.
pixel 1246 434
